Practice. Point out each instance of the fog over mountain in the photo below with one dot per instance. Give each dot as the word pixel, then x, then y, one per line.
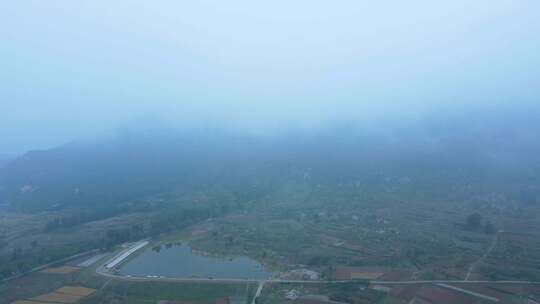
pixel 72 70
pixel 178 95
pixel 5 159
pixel 493 150
pixel 297 152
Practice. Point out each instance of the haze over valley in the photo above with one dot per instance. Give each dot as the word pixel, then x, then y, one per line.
pixel 241 152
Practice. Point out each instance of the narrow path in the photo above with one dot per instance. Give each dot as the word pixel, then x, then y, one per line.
pixel 105 284
pixel 468 292
pixel 258 293
pixel 483 257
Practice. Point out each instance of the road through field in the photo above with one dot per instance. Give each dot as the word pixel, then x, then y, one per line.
pixel 258 293
pixel 104 271
pixel 484 256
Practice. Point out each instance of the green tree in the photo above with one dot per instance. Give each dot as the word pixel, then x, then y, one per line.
pixel 474 221
pixel 489 228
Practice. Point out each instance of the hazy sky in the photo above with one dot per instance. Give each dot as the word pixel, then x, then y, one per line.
pixel 75 68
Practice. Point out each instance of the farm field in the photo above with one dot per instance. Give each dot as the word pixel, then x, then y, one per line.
pixel 324 233
pixel 270 152
pixel 358 237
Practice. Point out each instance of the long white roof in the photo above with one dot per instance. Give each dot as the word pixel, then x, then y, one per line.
pixel 122 256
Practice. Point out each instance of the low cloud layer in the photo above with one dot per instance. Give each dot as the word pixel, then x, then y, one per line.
pixel 76 69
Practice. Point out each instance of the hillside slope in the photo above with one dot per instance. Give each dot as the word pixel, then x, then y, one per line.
pixel 136 164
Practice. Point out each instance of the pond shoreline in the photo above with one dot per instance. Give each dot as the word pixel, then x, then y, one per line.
pixel 180 260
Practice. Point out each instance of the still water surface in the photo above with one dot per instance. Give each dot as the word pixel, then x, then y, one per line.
pixel 179 261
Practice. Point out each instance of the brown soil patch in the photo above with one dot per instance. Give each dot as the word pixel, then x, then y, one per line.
pixel 433 294
pixel 61 270
pixel 365 275
pixel 76 290
pixel 58 297
pixel 351 273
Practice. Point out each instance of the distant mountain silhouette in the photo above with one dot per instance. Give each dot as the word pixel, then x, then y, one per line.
pixel 434 156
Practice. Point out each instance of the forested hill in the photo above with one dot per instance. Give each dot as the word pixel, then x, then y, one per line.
pixel 436 156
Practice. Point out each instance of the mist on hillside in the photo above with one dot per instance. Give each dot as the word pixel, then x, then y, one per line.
pixel 492 150
pixel 264 152
pixel 72 71
pixel 185 95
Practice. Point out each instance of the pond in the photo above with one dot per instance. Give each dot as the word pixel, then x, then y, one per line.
pixel 180 261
